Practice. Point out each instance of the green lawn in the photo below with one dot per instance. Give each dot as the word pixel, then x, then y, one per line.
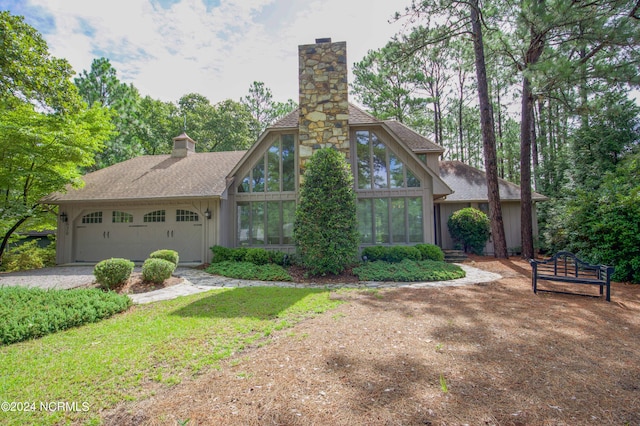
pixel 95 366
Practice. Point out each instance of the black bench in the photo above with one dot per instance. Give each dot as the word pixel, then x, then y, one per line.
pixel 567 268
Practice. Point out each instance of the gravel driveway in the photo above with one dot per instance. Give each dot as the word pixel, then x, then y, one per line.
pixel 60 277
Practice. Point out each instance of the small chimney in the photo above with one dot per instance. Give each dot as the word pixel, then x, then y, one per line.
pixel 324 102
pixel 183 145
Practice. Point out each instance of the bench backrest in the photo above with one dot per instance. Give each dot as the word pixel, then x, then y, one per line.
pixel 567 264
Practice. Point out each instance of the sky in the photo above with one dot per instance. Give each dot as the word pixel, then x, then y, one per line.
pixel 217 48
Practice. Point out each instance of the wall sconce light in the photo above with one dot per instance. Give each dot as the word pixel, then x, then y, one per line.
pixel 207 213
pixel 63 217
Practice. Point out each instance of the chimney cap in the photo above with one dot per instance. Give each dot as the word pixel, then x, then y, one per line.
pixel 323 40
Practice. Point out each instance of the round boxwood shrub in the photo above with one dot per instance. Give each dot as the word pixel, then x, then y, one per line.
pixel 157 270
pixel 170 255
pixel 325 228
pixel 430 252
pixel 111 272
pixel 471 228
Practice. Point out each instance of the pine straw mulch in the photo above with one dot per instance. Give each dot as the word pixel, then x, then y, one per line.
pixel 135 284
pixel 504 356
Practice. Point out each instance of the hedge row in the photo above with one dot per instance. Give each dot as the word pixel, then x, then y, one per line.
pixel 257 256
pixel 395 254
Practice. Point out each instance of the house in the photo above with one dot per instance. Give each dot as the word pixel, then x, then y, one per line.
pixel 190 201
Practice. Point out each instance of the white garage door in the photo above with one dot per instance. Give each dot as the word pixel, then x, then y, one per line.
pixel 134 234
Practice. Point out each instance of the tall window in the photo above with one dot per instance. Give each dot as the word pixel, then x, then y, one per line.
pixel 275 171
pixel 378 167
pixel 390 220
pixel 265 222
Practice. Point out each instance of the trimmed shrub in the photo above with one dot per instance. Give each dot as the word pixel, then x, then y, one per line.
pixel 29 313
pixel 325 228
pixel 392 254
pixel 257 256
pixel 111 272
pixel 471 228
pixel 157 270
pixel 170 255
pixel 408 270
pixel 250 271
pixel 430 252
pixel 220 254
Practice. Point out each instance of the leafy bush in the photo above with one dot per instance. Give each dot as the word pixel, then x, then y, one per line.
pixel 28 256
pixel 430 252
pixel 325 228
pixel 111 272
pixel 408 271
pixel 250 271
pixel 258 256
pixel 392 254
pixel 170 255
pixel 471 228
pixel 157 270
pixel 28 313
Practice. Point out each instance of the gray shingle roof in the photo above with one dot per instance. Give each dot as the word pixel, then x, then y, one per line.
pixel 469 184
pixel 156 176
pixel 415 141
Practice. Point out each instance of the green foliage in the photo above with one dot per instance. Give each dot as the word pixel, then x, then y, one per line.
pixel 430 252
pixel 601 226
pixel 471 228
pixel 29 313
pixel 28 256
pixel 257 256
pixel 157 270
pixel 264 110
pixel 392 254
pixel 408 271
pixel 111 272
pixel 250 271
pixel 170 255
pixel 325 228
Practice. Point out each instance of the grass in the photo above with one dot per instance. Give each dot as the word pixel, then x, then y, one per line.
pixel 101 364
pixel 408 271
pixel 27 313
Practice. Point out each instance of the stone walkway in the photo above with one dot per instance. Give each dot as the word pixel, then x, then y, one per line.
pixel 197 281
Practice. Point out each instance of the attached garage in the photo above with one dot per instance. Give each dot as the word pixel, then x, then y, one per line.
pixel 145 204
pixel 134 233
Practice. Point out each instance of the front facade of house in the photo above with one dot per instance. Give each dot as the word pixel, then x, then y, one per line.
pixel 191 201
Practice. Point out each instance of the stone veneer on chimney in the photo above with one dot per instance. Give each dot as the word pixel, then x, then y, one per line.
pixel 324 104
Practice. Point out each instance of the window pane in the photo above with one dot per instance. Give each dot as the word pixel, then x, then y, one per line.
pixel 257 223
pixel 288 163
pixel 380 179
pixel 273 222
pixel 244 185
pixel 382 220
pixel 156 216
pixel 395 170
pixel 186 216
pixel 258 177
pixel 398 220
pixel 95 217
pixel 244 216
pixel 412 180
pixel 416 219
pixel 288 217
pixel 362 151
pixel 273 167
pixel 365 221
pixel 121 217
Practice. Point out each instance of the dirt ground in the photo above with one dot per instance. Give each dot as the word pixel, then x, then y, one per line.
pixel 491 354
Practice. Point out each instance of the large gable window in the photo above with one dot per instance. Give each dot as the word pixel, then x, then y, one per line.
pixel 378 167
pixel 275 171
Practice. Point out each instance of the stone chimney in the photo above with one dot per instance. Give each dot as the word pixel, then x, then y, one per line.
pixel 183 145
pixel 324 103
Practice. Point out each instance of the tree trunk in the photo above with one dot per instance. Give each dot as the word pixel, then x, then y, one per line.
pixel 526 217
pixel 5 239
pixel 488 138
